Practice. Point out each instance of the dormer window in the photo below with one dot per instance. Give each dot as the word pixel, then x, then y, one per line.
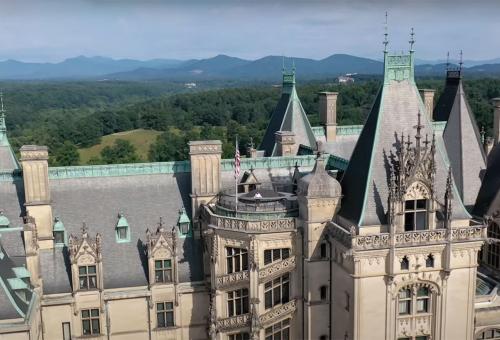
pixel 122 229
pixel 416 214
pixel 183 222
pixel 4 221
pixel 20 287
pixel 59 232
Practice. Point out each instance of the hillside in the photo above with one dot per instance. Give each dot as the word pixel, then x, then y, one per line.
pixel 141 139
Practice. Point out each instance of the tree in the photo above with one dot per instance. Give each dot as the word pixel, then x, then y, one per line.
pixel 67 154
pixel 122 151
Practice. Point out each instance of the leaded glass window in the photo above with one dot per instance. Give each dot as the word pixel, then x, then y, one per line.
pixel 278 331
pixel 237 259
pixel 90 321
pixel 163 271
pixel 237 302
pixel 277 291
pixel 87 277
pixel 165 314
pixel 273 255
pixel 416 215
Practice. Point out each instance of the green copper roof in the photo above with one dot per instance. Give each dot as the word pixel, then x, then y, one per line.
pixel 21 272
pixel 122 221
pixel 17 283
pixel 4 221
pixel 58 225
pixel 183 217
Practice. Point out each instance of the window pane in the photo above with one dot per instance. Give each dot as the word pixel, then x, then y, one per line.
pixel 160 319
pixel 160 306
pixel 410 205
pixel 268 299
pixel 66 331
pixel 408 221
pixel 157 264
pixel 423 291
pixel 285 253
pixel 59 237
pixel 86 326
pixel 421 204
pixel 286 292
pixel 420 220
pixel 168 275
pixel 167 263
pixel 422 305
pixel 82 270
pixel 94 312
pixel 230 265
pixel 244 264
pixel 95 326
pixel 91 269
pixel 170 319
pixel 169 305
pixel 122 233
pixel 158 276
pixel 92 282
pixel 83 282
pixel 85 313
pixel 276 254
pixel 267 256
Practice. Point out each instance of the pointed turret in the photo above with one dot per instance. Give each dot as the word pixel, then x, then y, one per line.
pixel 462 138
pixel 397 130
pixel 7 158
pixel 289 115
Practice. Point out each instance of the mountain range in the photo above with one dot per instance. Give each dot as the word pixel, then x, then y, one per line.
pixel 219 67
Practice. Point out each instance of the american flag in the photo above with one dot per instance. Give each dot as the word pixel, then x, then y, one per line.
pixel 237 162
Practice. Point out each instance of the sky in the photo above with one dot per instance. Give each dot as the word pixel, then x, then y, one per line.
pixel 52 30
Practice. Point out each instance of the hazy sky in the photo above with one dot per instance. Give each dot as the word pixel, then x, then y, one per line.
pixel 52 30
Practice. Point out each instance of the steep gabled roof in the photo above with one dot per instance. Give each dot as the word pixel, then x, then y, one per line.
pixel 396 111
pixel 487 199
pixel 289 115
pixel 447 99
pixel 463 142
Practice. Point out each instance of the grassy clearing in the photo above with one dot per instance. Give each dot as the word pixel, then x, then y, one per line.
pixel 140 138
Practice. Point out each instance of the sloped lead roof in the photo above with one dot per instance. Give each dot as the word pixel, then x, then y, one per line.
pixel 289 115
pixel 463 144
pixel 487 199
pixel 7 159
pixel 396 108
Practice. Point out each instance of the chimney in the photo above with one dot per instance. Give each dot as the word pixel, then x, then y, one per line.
pixel 285 143
pixel 328 114
pixel 496 120
pixel 34 160
pixel 428 98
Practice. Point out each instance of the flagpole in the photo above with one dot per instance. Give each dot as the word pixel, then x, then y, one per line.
pixel 236 173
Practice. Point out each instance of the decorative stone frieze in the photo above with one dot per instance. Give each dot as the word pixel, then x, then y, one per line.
pixel 233 322
pixel 278 312
pixel 232 279
pixel 277 269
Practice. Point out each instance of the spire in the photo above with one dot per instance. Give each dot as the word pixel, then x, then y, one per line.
pixel 412 40
pixel 448 61
pixel 3 128
pixel 386 35
pixel 461 62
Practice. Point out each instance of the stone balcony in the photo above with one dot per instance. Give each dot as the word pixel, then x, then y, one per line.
pixel 229 280
pixel 245 225
pixel 408 239
pixel 233 322
pixel 278 312
pixel 277 269
pixel 414 325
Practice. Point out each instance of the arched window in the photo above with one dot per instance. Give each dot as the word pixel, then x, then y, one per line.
pixel 429 261
pixel 405 263
pixel 493 255
pixel 492 334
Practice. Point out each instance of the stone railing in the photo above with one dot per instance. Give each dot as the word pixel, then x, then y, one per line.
pixel 409 238
pixel 227 280
pixel 278 312
pixel 233 322
pixel 263 226
pixel 414 325
pixel 277 269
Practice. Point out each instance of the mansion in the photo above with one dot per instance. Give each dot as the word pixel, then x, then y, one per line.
pixel 389 230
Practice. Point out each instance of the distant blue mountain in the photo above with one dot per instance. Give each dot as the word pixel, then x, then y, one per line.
pixel 219 67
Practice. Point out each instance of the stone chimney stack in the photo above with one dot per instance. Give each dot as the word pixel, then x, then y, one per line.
pixel 34 160
pixel 285 143
pixel 428 98
pixel 328 114
pixel 205 159
pixel 496 120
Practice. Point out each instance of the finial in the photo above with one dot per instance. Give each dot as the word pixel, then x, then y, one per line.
pixel 293 66
pixel 1 101
pixel 386 34
pixel 283 65
pixel 412 39
pixel 482 134
pixel 461 63
pixel 448 61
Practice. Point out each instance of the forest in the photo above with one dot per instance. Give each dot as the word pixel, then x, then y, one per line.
pixel 68 116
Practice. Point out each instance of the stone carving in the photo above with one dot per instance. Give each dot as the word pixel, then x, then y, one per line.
pixel 233 322
pixel 162 243
pixel 212 322
pixel 277 269
pixel 232 279
pixel 85 248
pixel 278 312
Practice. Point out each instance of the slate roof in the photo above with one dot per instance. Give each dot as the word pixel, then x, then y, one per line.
pixel 7 158
pixel 11 305
pixel 142 199
pixel 463 144
pixel 289 115
pixel 446 101
pixel 488 199
pixel 365 182
pixel 342 146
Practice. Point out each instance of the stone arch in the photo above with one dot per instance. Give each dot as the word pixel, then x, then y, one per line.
pixel 417 190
